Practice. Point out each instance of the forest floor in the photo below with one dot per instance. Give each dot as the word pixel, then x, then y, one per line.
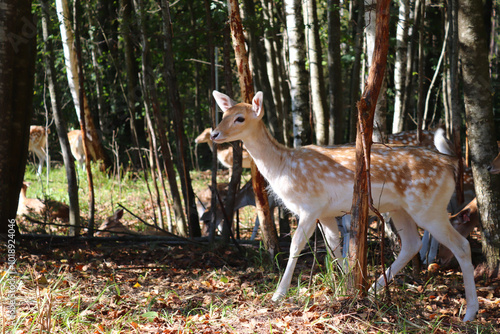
pixel 154 287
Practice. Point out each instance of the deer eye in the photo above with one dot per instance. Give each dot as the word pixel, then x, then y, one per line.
pixel 239 119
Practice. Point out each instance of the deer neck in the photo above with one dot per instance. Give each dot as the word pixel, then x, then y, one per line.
pixel 269 156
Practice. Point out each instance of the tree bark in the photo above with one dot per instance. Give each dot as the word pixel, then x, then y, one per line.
pixel 400 65
pixel 298 74
pixel 17 68
pixel 269 234
pixel 317 78
pixel 366 109
pixel 62 130
pixel 480 123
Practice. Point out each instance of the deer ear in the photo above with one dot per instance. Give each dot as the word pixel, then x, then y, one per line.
pixel 223 101
pixel 257 106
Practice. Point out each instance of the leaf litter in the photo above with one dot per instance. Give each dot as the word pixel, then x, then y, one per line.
pixel 153 288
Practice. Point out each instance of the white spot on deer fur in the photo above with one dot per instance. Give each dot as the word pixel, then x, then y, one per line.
pixel 330 174
pixel 293 164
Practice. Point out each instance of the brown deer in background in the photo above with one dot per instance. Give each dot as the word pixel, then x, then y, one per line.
pixel 38 144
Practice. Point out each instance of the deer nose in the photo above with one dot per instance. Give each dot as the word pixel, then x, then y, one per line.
pixel 488 168
pixel 214 134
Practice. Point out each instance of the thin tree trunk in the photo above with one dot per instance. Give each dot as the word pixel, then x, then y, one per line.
pixel 160 126
pixel 356 71
pixel 362 199
pixel 421 69
pixel 269 234
pixel 84 112
pixel 136 123
pixel 336 98
pixel 234 183
pixel 456 102
pixel 214 117
pixel 480 123
pixel 315 53
pixel 62 131
pixel 272 62
pixel 177 112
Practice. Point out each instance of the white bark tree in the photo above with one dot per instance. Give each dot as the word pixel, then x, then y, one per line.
pixel 298 74
pixel 314 53
pixel 400 65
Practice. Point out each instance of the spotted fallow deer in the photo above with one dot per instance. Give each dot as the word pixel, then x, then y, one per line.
pixel 38 144
pixel 413 184
pixel 224 154
pixel 76 143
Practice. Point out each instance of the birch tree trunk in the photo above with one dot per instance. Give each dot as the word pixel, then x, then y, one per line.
pixel 480 123
pixel 299 90
pixel 400 65
pixel 71 63
pixel 62 130
pixel 318 95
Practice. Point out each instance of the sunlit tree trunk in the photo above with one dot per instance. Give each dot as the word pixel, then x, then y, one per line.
pixel 299 90
pixel 62 132
pixel 96 148
pixel 400 65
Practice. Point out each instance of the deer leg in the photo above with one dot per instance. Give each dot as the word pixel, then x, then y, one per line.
pixel 304 231
pixel 331 235
pixel 41 161
pixel 410 245
pixel 440 228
